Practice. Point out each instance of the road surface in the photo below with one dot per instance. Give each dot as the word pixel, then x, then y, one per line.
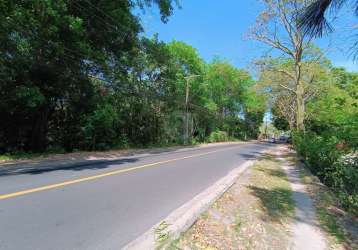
pixel 106 205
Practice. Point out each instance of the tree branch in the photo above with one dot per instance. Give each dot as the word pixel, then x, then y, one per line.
pixel 288 88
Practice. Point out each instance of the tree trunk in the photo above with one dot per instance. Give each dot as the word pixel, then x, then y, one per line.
pixel 300 113
pixel 39 130
pixel 300 92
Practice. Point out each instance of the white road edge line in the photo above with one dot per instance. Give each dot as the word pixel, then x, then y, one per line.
pixel 183 217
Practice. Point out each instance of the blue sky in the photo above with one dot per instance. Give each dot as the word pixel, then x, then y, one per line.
pixel 217 28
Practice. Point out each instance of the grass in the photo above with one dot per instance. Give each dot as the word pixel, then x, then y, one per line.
pixel 277 202
pixel 22 155
pixel 330 225
pixel 5 158
pixel 173 245
pixel 255 213
pixel 273 189
pixel 238 224
pixel 161 235
pixel 29 155
pixel 329 214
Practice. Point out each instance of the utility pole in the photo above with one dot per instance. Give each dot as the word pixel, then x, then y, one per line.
pixel 266 128
pixel 187 90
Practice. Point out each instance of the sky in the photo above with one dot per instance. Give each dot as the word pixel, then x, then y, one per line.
pixel 218 28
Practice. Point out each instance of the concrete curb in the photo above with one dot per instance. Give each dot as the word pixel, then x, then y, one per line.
pixel 182 218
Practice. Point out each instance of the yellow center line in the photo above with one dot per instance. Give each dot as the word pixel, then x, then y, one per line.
pixel 94 177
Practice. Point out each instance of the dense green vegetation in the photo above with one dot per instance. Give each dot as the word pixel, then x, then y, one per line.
pixel 329 142
pixel 310 98
pixel 329 146
pixel 78 75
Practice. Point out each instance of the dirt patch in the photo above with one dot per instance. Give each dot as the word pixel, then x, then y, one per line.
pixel 255 213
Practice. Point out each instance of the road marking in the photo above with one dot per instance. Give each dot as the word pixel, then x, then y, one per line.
pixel 94 177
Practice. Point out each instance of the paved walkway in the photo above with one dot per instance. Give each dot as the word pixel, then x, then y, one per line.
pixel 305 229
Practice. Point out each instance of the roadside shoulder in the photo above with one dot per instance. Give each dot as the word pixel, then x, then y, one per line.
pixel 169 229
pixel 255 213
pixel 339 226
pixel 279 206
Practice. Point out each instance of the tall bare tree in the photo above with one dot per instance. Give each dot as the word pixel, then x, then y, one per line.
pixel 278 27
pixel 278 85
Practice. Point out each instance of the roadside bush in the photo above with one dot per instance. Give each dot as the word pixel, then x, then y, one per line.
pixel 101 131
pixel 343 177
pixel 218 136
pixel 318 151
pixel 335 163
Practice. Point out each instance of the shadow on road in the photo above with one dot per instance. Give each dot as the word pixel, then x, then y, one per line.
pixel 35 169
pixel 78 163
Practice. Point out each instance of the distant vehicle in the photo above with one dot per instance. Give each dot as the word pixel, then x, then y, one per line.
pixel 272 140
pixel 289 139
pixel 283 138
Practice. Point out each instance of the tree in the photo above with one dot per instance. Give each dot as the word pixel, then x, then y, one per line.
pixel 228 93
pixel 49 51
pixel 313 20
pixel 225 86
pixel 273 76
pixel 78 77
pixel 189 68
pixel 336 109
pixel 278 27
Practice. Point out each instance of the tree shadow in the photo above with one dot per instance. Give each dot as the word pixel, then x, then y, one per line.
pixel 36 169
pixel 277 202
pixel 252 156
pixel 273 172
pixel 78 163
pixel 269 157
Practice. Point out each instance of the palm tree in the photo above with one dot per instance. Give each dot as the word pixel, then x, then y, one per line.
pixel 313 20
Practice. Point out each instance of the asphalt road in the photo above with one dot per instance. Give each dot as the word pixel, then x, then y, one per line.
pixel 106 205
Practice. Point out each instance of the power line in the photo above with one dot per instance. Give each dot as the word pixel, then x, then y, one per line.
pixel 202 108
pixel 102 20
pixel 104 13
pixel 113 27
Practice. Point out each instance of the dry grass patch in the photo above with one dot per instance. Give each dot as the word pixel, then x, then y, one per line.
pixel 340 227
pixel 254 213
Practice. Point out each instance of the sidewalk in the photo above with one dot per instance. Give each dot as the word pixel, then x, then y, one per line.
pixel 269 207
pixel 306 232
